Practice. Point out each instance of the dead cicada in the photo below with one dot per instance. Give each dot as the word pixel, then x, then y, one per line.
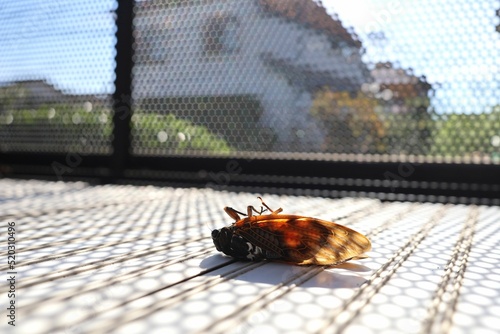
pixel 289 238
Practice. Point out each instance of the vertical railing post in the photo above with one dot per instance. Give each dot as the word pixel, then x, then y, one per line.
pixel 122 97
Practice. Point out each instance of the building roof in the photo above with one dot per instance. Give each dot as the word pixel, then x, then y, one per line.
pixel 41 91
pixel 309 78
pixel 311 14
pixel 385 73
pixel 399 80
pixel 305 12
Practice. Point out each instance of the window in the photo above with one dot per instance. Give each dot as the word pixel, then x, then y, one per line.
pixel 220 35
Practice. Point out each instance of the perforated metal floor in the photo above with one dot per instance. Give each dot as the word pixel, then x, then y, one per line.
pixel 131 259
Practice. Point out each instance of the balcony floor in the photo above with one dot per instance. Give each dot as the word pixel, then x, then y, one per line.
pixel 140 259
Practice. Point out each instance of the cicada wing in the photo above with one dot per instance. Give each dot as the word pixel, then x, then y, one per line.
pixel 303 240
pixel 343 244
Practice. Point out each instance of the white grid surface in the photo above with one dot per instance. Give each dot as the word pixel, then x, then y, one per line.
pixel 127 259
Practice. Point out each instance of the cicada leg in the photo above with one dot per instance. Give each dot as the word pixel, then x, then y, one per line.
pixel 233 213
pixel 273 212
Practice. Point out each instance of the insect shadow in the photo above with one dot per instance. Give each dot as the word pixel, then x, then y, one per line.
pixel 274 273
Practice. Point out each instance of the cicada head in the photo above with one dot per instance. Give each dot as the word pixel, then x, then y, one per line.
pixel 222 239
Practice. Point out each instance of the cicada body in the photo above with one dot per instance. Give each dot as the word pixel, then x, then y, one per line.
pixel 289 238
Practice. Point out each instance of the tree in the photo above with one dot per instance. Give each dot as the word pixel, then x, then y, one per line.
pixel 11 95
pixel 468 135
pixel 349 121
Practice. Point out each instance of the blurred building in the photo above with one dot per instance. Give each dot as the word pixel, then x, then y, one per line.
pixel 269 56
pixel 29 94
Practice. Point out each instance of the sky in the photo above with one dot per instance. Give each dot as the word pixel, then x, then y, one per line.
pixel 69 43
pixel 453 43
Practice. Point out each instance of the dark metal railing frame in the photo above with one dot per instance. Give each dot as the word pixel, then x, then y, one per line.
pixel 437 182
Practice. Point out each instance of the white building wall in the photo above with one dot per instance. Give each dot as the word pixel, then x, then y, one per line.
pixel 181 67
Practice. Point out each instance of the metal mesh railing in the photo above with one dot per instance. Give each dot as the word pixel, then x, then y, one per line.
pixel 264 76
pixel 383 79
pixel 56 75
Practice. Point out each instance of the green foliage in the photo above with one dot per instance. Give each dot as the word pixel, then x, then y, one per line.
pixel 234 119
pixel 60 116
pixel 474 135
pixel 57 128
pixel 408 132
pixel 451 135
pixel 10 94
pixel 411 128
pixel 166 132
pixel 70 123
